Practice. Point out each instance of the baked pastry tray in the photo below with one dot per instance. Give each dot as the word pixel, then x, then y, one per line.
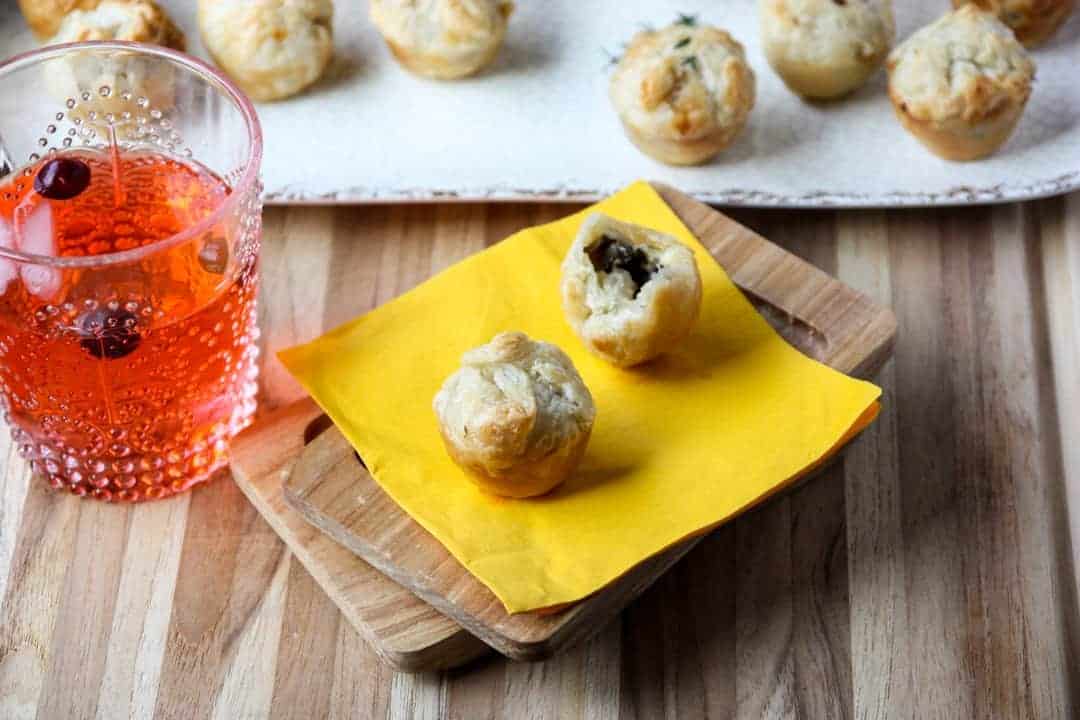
pixel 415 604
pixel 538 124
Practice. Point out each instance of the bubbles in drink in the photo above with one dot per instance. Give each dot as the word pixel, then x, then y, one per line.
pixel 127 387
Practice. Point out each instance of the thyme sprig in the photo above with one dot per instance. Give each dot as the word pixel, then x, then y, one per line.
pixel 613 58
pixel 684 19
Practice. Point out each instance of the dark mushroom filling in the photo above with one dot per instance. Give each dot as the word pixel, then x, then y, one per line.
pixel 611 254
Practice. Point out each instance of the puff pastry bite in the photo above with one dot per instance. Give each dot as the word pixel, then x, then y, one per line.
pixel 273 49
pixel 826 48
pixel 44 16
pixel 1033 21
pixel 71 76
pixel 683 93
pixel 516 416
pixel 961 84
pixel 130 20
pixel 442 39
pixel 630 293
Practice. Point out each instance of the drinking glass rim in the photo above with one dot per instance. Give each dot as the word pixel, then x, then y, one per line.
pixel 246 182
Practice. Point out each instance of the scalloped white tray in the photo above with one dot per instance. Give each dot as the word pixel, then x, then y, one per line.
pixel 538 125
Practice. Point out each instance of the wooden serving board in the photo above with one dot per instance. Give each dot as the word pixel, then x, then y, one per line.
pixel 403 630
pixel 330 487
pixel 928 574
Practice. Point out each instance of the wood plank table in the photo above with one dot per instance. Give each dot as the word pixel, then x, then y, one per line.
pixel 930 575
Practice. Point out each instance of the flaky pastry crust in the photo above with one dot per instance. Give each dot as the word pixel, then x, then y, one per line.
pixel 683 93
pixel 128 20
pixel 1033 21
pixel 516 416
pixel 824 49
pixel 442 39
pixel 44 16
pixel 273 49
pixel 961 84
pixel 630 293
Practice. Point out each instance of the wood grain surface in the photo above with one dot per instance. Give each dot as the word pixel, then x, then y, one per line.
pixel 330 487
pixel 930 575
pixel 402 629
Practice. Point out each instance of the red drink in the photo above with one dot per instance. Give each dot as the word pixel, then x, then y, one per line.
pixel 126 382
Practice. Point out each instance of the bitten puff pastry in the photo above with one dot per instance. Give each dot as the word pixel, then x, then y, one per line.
pixel 273 49
pixel 129 20
pixel 961 84
pixel 826 48
pixel 442 39
pixel 516 416
pixel 630 293
pixel 1033 21
pixel 683 93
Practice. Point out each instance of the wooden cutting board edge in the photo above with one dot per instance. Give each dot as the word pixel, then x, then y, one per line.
pixel 859 345
pixel 429 640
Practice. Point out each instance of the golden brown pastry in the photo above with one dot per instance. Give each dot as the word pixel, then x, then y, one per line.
pixel 442 39
pixel 273 49
pixel 516 416
pixel 77 76
pixel 45 16
pixel 823 48
pixel 683 93
pixel 961 84
pixel 629 292
pixel 1033 21
pixel 128 20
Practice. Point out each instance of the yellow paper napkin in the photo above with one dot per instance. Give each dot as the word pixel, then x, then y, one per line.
pixel 678 446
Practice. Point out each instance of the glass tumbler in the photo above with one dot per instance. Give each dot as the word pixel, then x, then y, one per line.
pixel 130 226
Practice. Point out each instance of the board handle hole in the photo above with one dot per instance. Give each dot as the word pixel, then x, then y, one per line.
pixel 320 425
pixel 316 428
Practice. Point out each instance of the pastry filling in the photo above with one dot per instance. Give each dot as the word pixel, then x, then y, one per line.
pixel 611 254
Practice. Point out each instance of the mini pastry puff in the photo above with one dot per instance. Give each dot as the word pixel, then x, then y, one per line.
pixel 683 93
pixel 44 16
pixel 442 39
pixel 129 20
pixel 630 293
pixel 960 84
pixel 1033 21
pixel 516 416
pixel 824 49
pixel 273 49
pixel 74 74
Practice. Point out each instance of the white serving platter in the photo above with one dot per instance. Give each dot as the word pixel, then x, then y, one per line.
pixel 538 125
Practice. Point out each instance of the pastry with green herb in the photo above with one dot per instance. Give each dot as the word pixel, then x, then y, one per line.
pixel 683 93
